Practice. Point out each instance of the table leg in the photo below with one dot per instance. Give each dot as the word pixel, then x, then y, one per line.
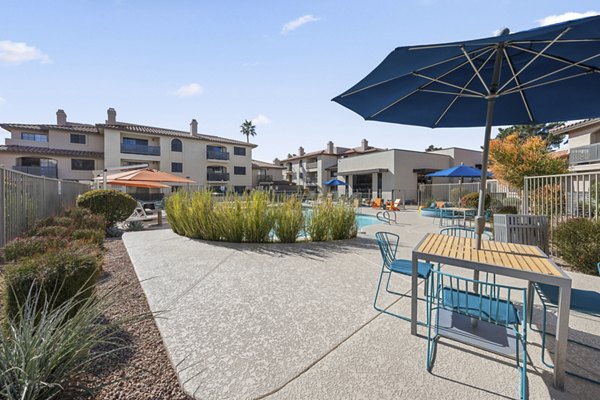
pixel 562 335
pixel 413 297
pixel 530 300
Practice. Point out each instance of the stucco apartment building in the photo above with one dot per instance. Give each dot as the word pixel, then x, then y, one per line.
pixel 584 145
pixel 76 151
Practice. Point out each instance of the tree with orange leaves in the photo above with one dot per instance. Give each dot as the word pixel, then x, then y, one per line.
pixel 512 159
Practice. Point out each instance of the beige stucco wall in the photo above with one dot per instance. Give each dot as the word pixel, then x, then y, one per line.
pixel 276 173
pixel 63 163
pixel 59 139
pixel 466 156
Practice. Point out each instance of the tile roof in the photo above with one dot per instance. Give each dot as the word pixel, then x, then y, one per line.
pixel 575 125
pixel 122 126
pixel 70 126
pixel 11 148
pixel 355 150
pixel 262 164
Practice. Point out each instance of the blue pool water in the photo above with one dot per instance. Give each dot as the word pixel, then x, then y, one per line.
pixel 366 220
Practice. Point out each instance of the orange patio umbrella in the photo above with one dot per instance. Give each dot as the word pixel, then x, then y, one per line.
pixel 147 175
pixel 138 184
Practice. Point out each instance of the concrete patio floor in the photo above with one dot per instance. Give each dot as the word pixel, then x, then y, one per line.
pixel 297 321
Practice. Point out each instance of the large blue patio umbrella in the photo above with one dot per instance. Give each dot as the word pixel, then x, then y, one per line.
pixel 335 182
pixel 459 171
pixel 546 74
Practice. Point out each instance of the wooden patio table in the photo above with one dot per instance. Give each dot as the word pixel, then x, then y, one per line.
pixel 509 259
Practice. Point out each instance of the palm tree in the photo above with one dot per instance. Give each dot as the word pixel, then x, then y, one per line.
pixel 248 129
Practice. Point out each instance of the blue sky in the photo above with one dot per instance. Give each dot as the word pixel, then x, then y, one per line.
pixel 279 63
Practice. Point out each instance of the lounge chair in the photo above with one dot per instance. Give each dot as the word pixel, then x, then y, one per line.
pixel 376 203
pixel 139 214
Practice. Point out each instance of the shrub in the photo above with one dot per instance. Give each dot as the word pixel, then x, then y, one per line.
pixel 31 246
pixel 45 349
pixel 113 232
pixel 83 218
pixel 63 221
pixel 471 200
pixel 512 201
pixel 258 217
pixel 231 217
pixel 507 210
pixel 91 236
pixel 578 243
pixel 289 220
pixel 56 231
pixel 57 276
pixel 134 226
pixel 318 222
pixel 113 205
pixel 343 222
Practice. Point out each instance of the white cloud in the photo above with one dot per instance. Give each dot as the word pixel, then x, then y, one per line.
pixel 18 52
pixel 193 89
pixel 261 120
pixel 568 16
pixel 297 23
pixel 2 100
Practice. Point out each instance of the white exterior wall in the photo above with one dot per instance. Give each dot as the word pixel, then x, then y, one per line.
pixel 465 156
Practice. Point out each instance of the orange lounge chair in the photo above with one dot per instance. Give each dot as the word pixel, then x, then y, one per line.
pixel 376 203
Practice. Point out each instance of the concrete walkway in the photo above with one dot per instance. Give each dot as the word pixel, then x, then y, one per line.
pixel 297 321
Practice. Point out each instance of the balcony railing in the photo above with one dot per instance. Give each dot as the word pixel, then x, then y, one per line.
pixel 265 178
pixel 48 172
pixel 311 165
pixel 217 155
pixel 130 148
pixel 217 176
pixel 585 154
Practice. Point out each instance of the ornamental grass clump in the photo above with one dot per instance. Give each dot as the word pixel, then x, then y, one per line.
pixel 289 220
pixel 318 226
pixel 230 215
pixel 259 216
pixel 343 222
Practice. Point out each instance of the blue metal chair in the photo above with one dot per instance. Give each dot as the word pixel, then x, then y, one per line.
pixel 455 299
pixel 582 301
pixel 388 246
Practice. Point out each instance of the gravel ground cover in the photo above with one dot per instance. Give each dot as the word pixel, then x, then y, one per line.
pixel 145 371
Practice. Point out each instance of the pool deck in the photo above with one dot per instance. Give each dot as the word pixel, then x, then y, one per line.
pixel 250 321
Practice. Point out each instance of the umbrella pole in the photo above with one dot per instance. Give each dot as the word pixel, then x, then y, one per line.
pixel 489 119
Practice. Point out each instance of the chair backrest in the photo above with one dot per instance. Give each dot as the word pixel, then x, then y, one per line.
pixel 459 231
pixel 458 294
pixel 377 202
pixel 388 246
pixel 599 268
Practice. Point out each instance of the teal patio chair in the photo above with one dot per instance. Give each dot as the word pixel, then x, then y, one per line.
pixel 388 246
pixel 456 302
pixel 585 302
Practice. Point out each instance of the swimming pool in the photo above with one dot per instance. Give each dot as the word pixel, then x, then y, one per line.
pixel 366 220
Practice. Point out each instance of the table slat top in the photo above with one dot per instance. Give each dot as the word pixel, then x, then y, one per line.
pixel 502 254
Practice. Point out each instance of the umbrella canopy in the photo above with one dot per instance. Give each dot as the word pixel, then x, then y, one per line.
pixel 139 184
pixel 147 175
pixel 335 182
pixel 542 75
pixel 460 171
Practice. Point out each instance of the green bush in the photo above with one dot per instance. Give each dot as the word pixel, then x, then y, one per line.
pixel 134 226
pixel 289 220
pixel 507 210
pixel 231 217
pixel 318 222
pixel 578 243
pixel 258 217
pixel 343 222
pixel 53 230
pixel 113 205
pixel 512 201
pixel 31 246
pixel 83 218
pixel 471 200
pixel 57 276
pixel 92 236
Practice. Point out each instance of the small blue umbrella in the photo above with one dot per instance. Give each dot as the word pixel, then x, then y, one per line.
pixel 546 74
pixel 459 171
pixel 335 182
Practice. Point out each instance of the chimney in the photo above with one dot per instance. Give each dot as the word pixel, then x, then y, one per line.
pixel 330 148
pixel 194 127
pixel 112 116
pixel 61 117
pixel 300 151
pixel 364 145
pixel 276 161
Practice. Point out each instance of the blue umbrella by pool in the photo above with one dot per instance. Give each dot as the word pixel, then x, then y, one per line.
pixel 459 171
pixel 546 74
pixel 335 182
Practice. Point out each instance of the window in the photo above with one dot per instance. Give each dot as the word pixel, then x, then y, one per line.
pixel 215 149
pixel 239 151
pixel 239 189
pixel 138 142
pixel 77 138
pixel 176 145
pixel 176 167
pixel 239 170
pixel 82 165
pixel 36 137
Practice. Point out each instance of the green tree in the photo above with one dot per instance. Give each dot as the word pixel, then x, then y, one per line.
pixel 248 129
pixel 432 148
pixel 540 130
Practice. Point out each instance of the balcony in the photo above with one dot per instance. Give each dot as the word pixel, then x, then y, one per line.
pixel 265 178
pixel 217 155
pixel 217 176
pixel 129 148
pixel 311 165
pixel 585 154
pixel 48 172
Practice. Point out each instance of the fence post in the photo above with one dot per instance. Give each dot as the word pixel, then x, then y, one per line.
pixel 525 198
pixel 2 208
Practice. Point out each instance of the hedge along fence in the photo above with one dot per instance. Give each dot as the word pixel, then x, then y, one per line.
pixel 256 218
pixel 26 198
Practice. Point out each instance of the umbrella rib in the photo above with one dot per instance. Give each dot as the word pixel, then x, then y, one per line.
pixel 518 82
pixel 483 50
pixel 534 58
pixel 558 41
pixel 462 48
pixel 458 96
pixel 556 58
pixel 449 84
pixel 525 87
pixel 588 70
pixel 473 96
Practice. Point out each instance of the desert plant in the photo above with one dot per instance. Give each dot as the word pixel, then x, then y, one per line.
pixel 230 214
pixel 31 246
pixel 45 348
pixel 134 226
pixel 318 223
pixel 113 205
pixel 113 231
pixel 343 222
pixel 83 218
pixel 578 243
pixel 92 236
pixel 507 210
pixel 289 220
pixel 258 216
pixel 471 200
pixel 53 230
pixel 60 276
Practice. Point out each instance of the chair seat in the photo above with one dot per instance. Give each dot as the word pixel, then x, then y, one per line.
pixel 404 267
pixel 496 310
pixel 586 301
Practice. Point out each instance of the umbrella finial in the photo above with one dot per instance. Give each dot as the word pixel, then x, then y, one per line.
pixel 503 31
